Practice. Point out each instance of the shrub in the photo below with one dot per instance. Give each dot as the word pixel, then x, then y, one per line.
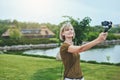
pixel 118 64
pixel 82 61
pixel 24 41
pixel 106 63
pixel 92 35
pixel 111 36
pixel 94 62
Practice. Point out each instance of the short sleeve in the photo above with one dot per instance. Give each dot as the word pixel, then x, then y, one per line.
pixel 64 50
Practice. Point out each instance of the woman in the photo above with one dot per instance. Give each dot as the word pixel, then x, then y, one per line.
pixel 70 53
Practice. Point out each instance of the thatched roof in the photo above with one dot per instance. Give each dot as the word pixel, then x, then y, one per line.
pixel 46 31
pixel 6 34
pixel 42 31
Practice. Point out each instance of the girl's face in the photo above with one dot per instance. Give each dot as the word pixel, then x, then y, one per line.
pixel 68 32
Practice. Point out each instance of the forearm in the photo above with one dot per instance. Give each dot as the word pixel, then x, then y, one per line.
pixel 90 44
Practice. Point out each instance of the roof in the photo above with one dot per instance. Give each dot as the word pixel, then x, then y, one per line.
pixel 6 33
pixel 46 31
pixel 42 31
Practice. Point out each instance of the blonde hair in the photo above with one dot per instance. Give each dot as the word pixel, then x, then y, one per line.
pixel 63 28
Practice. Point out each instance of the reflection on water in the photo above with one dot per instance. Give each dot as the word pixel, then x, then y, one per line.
pixel 111 54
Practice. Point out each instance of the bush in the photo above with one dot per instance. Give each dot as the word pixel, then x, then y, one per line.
pixel 106 63
pixel 24 41
pixel 118 64
pixel 111 36
pixel 82 61
pixel 92 35
pixel 117 36
pixel 94 62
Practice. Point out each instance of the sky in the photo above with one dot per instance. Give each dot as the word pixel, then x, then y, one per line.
pixel 51 11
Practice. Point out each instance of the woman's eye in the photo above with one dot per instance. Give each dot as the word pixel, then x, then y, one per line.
pixel 68 29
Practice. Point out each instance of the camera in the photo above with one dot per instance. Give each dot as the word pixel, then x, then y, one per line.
pixel 107 24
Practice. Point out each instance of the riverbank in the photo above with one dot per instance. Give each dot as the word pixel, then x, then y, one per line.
pixel 53 45
pixel 27 47
pixel 107 43
pixel 53 57
pixel 16 67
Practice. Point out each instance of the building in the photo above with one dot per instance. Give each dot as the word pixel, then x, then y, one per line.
pixel 42 32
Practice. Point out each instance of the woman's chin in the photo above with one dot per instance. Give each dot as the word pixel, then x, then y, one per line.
pixel 70 36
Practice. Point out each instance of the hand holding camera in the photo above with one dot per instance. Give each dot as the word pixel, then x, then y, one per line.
pixel 103 35
pixel 107 25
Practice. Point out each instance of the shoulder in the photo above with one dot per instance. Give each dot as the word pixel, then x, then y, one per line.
pixel 64 47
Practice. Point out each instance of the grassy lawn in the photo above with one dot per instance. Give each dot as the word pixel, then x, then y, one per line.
pixel 16 67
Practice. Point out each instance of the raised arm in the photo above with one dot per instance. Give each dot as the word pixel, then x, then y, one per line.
pixel 77 49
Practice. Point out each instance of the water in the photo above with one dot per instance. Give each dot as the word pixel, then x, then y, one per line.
pixel 111 54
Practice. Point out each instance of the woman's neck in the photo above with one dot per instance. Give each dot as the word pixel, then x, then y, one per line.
pixel 69 41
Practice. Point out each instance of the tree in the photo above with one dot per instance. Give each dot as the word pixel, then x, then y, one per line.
pixel 81 28
pixel 4 24
pixel 15 33
pixel 3 28
pixel 15 23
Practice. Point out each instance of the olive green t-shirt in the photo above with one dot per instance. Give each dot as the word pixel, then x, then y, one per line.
pixel 71 62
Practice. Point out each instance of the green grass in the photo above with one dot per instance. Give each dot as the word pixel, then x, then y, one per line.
pixel 17 67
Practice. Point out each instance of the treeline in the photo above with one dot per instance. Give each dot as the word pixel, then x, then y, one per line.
pixel 83 30
pixel 114 33
pixel 5 24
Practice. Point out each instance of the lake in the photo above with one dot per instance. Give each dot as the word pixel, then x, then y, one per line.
pixel 111 54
